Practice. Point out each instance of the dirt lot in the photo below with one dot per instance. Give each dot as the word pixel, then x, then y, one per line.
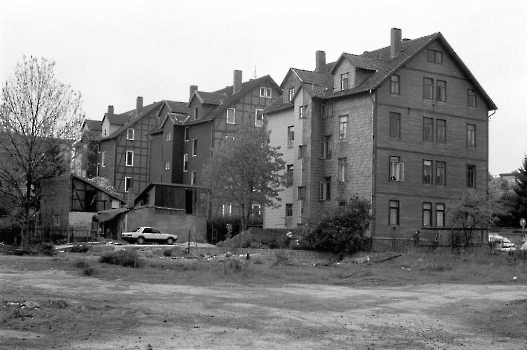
pixel 78 312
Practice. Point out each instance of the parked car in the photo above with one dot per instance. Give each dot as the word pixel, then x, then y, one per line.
pixel 500 243
pixel 145 234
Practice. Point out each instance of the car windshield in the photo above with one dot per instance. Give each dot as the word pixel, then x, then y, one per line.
pixel 137 229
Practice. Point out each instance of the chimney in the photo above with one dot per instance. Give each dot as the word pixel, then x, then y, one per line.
pixel 193 88
pixel 110 110
pixel 237 83
pixel 321 60
pixel 138 105
pixel 395 42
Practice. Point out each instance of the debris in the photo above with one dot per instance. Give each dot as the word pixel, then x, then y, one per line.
pixel 390 258
pixel 362 260
pixel 514 278
pixel 30 305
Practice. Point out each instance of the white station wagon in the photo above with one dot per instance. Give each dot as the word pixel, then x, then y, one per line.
pixel 145 234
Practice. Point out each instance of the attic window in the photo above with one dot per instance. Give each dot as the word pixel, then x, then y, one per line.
pixel 265 92
pixel 344 81
pixel 435 56
pixel 291 94
pixel 130 134
pixel 231 116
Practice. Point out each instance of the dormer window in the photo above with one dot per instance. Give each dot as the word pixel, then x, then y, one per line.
pixel 130 134
pixel 196 115
pixel 291 94
pixel 344 81
pixel 265 92
pixel 231 116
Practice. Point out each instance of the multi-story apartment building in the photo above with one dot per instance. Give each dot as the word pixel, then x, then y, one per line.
pixel 405 126
pixel 124 146
pixel 182 145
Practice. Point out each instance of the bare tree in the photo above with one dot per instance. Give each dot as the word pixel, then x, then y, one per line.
pixel 245 170
pixel 40 117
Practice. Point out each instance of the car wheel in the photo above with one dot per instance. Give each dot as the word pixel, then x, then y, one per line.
pixel 141 240
pixel 170 240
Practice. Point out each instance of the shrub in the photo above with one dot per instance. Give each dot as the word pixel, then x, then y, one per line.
pixel 219 225
pixel 46 248
pixel 233 265
pixel 81 264
pixel 79 248
pixel 343 230
pixel 126 258
pixel 281 258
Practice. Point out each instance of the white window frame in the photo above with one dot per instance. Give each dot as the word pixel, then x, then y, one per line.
pixel 130 134
pixel 265 92
pixel 168 136
pixel 167 165
pixel 396 169
pixel 231 120
pixel 325 190
pixel 193 177
pixel 342 167
pixel 185 162
pixel 186 135
pixel 128 183
pixel 258 122
pixel 103 159
pixel 290 136
pixel 129 161
pixel 194 147
pixel 291 95
pixel 343 127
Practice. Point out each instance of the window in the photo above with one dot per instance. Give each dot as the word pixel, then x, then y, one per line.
pixel 396 169
pixel 193 178
pixel 226 209
pixel 427 171
pixel 265 92
pixel 471 176
pixel 302 112
pixel 325 189
pixel 441 173
pixel 440 131
pixel 435 56
pixel 127 183
pixel 168 136
pixel 130 134
pixel 393 218
pixel 471 136
pixel 56 220
pixel 289 175
pixel 129 158
pixel 326 110
pixel 394 85
pixel 471 99
pixel 186 133
pixel 440 215
pixel 302 151
pixel 344 81
pixel 428 89
pixel 395 125
pixel 103 158
pixel 441 90
pixel 258 117
pixel 194 147
pixel 290 136
pixel 289 209
pixel 428 129
pixel 185 162
pixel 342 169
pixel 291 93
pixel 326 147
pixel 167 164
pixel 196 113
pixel 343 127
pixel 231 116
pixel 427 214
pixel 302 192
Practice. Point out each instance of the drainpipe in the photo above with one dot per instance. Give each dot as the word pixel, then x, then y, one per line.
pixel 373 98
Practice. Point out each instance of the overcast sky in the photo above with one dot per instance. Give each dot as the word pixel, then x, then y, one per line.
pixel 115 50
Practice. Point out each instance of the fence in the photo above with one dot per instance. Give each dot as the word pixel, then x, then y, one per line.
pixel 452 238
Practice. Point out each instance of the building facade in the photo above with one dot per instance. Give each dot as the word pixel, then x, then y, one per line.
pixel 405 126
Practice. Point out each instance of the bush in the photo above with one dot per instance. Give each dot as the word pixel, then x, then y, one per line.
pixel 281 258
pixel 79 248
pixel 221 233
pixel 126 258
pixel 81 264
pixel 343 230
pixel 46 248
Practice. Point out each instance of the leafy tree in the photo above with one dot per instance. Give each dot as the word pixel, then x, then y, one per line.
pixel 245 170
pixel 504 198
pixel 473 210
pixel 520 188
pixel 343 230
pixel 39 119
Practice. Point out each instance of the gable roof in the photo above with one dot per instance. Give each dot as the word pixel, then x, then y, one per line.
pixel 230 98
pixel 117 196
pixel 93 125
pixel 211 98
